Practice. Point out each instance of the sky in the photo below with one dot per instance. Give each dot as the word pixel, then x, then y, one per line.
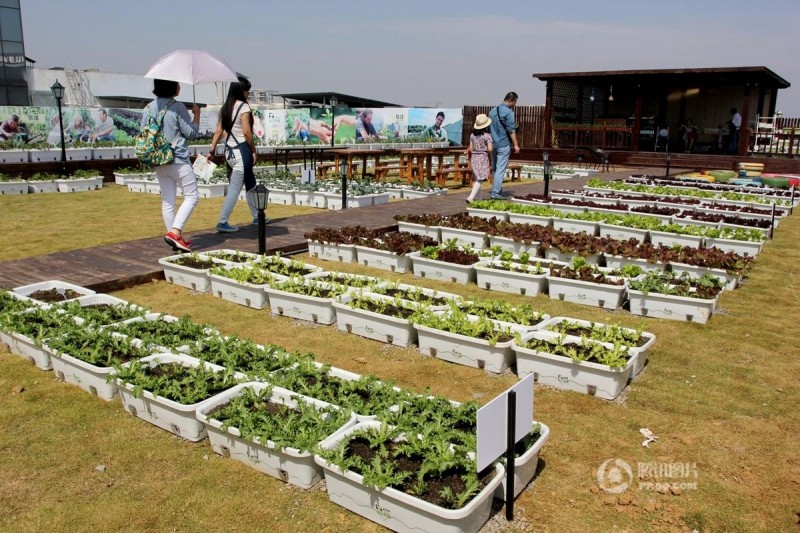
pixel 439 53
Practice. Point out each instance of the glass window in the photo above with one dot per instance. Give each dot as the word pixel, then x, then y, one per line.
pixel 10 24
pixel 9 3
pixel 13 59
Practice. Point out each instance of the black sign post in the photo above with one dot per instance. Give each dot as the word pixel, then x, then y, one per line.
pixel 511 444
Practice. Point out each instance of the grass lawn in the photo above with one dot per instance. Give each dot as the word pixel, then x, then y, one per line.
pixel 722 397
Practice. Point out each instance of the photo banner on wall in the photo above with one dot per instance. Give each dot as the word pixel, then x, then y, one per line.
pixel 436 123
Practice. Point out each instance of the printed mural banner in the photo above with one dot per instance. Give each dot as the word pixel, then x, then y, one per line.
pixel 429 123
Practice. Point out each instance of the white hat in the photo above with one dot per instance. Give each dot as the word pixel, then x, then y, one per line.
pixel 482 121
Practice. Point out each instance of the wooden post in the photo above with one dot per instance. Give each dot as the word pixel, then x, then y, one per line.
pixel 637 123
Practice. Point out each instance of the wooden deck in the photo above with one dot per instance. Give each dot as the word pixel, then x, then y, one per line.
pixel 125 264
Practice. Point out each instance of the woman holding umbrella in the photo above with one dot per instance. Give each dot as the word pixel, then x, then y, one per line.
pixel 178 126
pixel 236 122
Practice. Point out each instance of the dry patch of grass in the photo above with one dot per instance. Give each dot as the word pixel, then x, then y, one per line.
pixel 722 397
pixel 34 224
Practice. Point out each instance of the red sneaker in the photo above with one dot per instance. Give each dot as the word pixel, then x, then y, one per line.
pixel 177 242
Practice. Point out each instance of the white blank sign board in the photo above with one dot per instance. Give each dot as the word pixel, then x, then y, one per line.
pixel 492 422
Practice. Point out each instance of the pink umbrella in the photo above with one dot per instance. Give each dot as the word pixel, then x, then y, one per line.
pixel 192 67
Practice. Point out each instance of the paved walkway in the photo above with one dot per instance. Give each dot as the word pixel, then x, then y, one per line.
pixel 125 264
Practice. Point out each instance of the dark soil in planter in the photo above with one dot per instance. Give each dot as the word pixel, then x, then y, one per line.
pixel 584 274
pixel 456 257
pixel 577 331
pixel 52 295
pixel 287 270
pixel 420 297
pixel 234 258
pixel 193 262
pixel 388 310
pixel 359 447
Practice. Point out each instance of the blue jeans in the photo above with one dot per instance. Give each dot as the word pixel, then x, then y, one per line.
pixel 241 175
pixel 499 164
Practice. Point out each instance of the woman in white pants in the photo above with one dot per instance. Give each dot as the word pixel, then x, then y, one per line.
pixel 236 120
pixel 178 126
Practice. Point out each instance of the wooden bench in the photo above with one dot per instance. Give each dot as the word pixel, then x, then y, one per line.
pixel 382 171
pixel 324 167
pixel 464 174
pixel 516 171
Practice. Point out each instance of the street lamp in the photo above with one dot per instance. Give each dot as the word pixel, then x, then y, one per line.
pixel 334 102
pixel 344 167
pixel 58 94
pixel 546 160
pixel 591 99
pixel 261 194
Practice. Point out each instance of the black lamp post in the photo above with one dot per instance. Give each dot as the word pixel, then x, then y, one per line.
pixel 58 94
pixel 669 157
pixel 334 102
pixel 343 169
pixel 546 164
pixel 261 196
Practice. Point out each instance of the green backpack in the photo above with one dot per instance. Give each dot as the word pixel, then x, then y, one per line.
pixel 152 147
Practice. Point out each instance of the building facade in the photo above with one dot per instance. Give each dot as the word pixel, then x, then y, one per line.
pixel 13 80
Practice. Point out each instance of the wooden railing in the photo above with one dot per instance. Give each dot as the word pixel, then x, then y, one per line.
pixel 530 119
pixel 581 135
pixel 779 138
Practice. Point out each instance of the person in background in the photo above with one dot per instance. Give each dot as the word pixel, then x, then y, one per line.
pixel 735 125
pixel 479 153
pixel 365 130
pixel 436 132
pixel 504 135
pixel 77 130
pixel 178 127
pixel 104 130
pixel 300 129
pixel 236 121
pixel 689 136
pixel 9 128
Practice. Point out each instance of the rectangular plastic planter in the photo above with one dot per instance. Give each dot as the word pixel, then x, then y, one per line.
pixel 289 465
pixel 746 248
pixel 91 378
pixel 411 194
pixel 495 279
pixel 617 262
pixel 731 280
pixel 578 376
pixel 178 419
pixel 183 276
pixel 553 254
pixel 434 232
pixel 210 190
pixel 433 269
pixel 586 292
pixel 566 208
pixel 464 350
pixel 383 259
pixel 77 185
pixel 26 290
pixel 281 197
pixel 106 153
pixel 511 245
pixel 475 239
pixel 671 239
pixel 641 351
pixel 372 325
pixel 397 510
pixel 621 233
pixel 13 187
pixel 27 348
pixel 14 156
pixel 41 156
pixel 137 184
pixel 41 186
pixel 671 307
pixel 241 293
pixel 536 220
pixel 305 198
pixel 525 465
pixel 334 201
pixel 341 253
pixel 301 306
pixel 576 226
pixel 488 214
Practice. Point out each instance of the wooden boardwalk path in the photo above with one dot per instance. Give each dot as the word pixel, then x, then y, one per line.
pixel 125 264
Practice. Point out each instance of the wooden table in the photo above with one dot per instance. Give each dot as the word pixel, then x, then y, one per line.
pixel 315 150
pixel 351 153
pixel 418 162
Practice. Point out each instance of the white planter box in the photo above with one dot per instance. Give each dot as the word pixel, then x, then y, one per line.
pixel 184 276
pixel 79 154
pixel 671 239
pixel 241 293
pixel 122 179
pixel 622 233
pixel 289 464
pixel 731 280
pixel 566 208
pixel 209 190
pixel 42 186
pixel 434 232
pixel 431 293
pixel 395 194
pixel 488 214
pixel 76 185
pixel 26 290
pixel 91 378
pixel 397 510
pixel 41 156
pixel 553 254
pixel 469 351
pixel 475 239
pixel 13 156
pixel 507 281
pixel 564 373
pixel 575 226
pixel 433 269
pixel 13 187
pixel 632 202
pixel 341 253
pixel 641 351
pixel 525 465
pixel 411 194
pixel 106 153
pixel 301 307
pixel 137 185
pixel 505 243
pixel 26 347
pixel 618 262
pixel 671 307
pixel 305 198
pixel 692 222
pixel 171 416
pixel 586 293
pixel 536 220
pixel 746 248
pixel 126 152
pixel 380 198
pixel 281 197
pixel 334 201
pixel 383 259
pixel 532 202
pixel 382 328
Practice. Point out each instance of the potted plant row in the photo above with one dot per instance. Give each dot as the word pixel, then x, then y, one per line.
pixel 675 297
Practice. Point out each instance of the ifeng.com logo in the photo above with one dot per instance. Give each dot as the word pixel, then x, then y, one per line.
pixel 614 476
